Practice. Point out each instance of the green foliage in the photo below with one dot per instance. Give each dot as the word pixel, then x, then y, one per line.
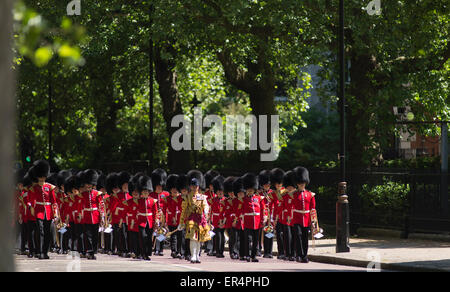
pixel 390 196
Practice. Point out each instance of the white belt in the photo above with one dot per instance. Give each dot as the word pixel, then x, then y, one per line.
pixel 90 209
pixel 144 214
pixel 43 203
pixel 215 214
pixel 302 211
pixel 251 214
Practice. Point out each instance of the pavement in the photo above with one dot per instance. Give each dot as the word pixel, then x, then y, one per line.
pixel 410 255
pixel 366 254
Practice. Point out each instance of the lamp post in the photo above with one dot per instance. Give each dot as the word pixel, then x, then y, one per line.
pixel 151 91
pixel 342 206
pixel 194 103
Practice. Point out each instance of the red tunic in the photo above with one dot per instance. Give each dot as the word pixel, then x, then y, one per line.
pixel 229 213
pixel 117 207
pixel 277 208
pixel 287 209
pixel 160 197
pixel 217 211
pixel 91 207
pixel 237 209
pixel 173 210
pixel 253 207
pixel 132 212
pixel 146 213
pixel 304 202
pixel 43 201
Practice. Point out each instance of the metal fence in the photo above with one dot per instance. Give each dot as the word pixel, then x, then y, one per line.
pixel 414 205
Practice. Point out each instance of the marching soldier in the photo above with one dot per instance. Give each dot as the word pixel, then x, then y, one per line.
pixel 268 197
pixel 146 215
pixel 218 215
pixel 71 187
pixel 172 209
pixel 253 208
pixel 62 200
pixel 21 209
pixel 159 177
pixel 239 191
pixel 44 206
pixel 276 179
pixel 230 217
pixel 304 203
pixel 209 246
pixel 29 181
pixel 289 183
pixel 132 206
pixel 193 215
pixel 183 188
pixel 112 215
pixel 92 213
pixel 119 214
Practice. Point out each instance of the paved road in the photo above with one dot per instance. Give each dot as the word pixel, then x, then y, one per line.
pixel 105 263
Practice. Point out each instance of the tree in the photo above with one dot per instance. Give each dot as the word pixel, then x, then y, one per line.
pixel 7 130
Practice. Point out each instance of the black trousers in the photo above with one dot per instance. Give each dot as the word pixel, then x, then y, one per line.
pixel 145 235
pixel 260 231
pixel 175 240
pixel 250 242
pixel 300 234
pixel 134 242
pixel 219 240
pixel 108 242
pixel 241 242
pixel 91 231
pixel 32 237
pixel 232 233
pixel 23 236
pixel 77 238
pixel 45 235
pixel 120 238
pixel 268 245
pixel 288 241
pixel 185 245
pixel 280 239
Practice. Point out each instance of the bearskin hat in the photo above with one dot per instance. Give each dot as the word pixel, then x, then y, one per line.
pixel 72 182
pixel 31 175
pixel 41 168
pixel 133 182
pixel 228 184
pixel 112 182
pixel 238 185
pixel 145 183
pixel 182 182
pixel 302 174
pixel 171 182
pixel 264 177
pixel 52 178
pixel 19 174
pixel 198 176
pixel 101 183
pixel 124 177
pixel 250 181
pixel 27 182
pixel 290 179
pixel 217 183
pixel 276 176
pixel 90 177
pixel 209 175
pixel 159 177
pixel 62 176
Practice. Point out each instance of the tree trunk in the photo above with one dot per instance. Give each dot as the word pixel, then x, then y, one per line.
pixel 7 128
pixel 166 76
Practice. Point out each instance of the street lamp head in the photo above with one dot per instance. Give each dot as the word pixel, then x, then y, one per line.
pixel 195 102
